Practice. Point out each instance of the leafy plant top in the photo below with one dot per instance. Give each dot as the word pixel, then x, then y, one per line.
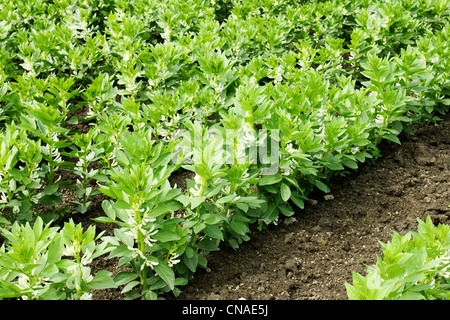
pixel 260 101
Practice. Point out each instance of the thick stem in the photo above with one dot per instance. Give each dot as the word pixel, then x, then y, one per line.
pixel 85 180
pixel 50 165
pixel 80 274
pixel 141 248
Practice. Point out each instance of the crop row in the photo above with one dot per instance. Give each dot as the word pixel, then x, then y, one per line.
pixel 262 101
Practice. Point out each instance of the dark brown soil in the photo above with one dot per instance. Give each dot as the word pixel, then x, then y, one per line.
pixel 311 255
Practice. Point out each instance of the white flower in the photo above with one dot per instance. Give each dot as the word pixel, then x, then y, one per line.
pixel 87 257
pixel 173 260
pixel 176 118
pixel 70 251
pixel 289 148
pixel 165 134
pixel 79 164
pixel 379 119
pixel 166 33
pixel 240 155
pixel 35 198
pixel 86 296
pixel 249 139
pixel 278 77
pixel 227 189
pixel 126 56
pixel 23 282
pixel 218 88
pixel 147 262
pixel 3 198
pixel 196 191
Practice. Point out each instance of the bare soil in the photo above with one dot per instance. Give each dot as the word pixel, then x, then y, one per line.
pixel 311 255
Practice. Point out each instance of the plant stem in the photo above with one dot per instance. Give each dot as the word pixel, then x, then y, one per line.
pixel 78 258
pixel 50 155
pixel 85 181
pixel 141 248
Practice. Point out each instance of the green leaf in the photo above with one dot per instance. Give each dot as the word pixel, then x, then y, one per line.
pixel 109 209
pixel 392 138
pixel 103 220
pixel 349 163
pixel 291 181
pixel 72 120
pixel 3 220
pixel 207 244
pixel 121 204
pixel 181 281
pixel 242 206
pixel 166 236
pixel 191 261
pixel 271 213
pixel 9 290
pixel 150 295
pixel 166 273
pixel 51 189
pixel 411 295
pixel 286 210
pixel 55 250
pixel 322 186
pixel 166 207
pixel 130 285
pixel 50 200
pixel 198 227
pixel 285 192
pixel 102 280
pixel 124 277
pixel 213 218
pixel 126 239
pixel 240 217
pixel 239 227
pixel 270 179
pixel 251 201
pixel 213 231
pixel 298 200
pixel 13 204
pixel 195 202
pixel 226 199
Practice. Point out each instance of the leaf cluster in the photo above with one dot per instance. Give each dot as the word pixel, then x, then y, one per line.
pixel 414 267
pixel 261 102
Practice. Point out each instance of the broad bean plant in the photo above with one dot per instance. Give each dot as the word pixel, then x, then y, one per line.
pixel 105 104
pixel 414 266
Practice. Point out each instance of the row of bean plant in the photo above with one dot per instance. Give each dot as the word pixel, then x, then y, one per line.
pixel 261 102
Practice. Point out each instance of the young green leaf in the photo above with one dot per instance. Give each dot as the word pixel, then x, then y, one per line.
pixel 166 273
pixel 285 192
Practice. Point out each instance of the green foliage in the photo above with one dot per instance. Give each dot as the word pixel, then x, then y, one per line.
pixel 40 262
pixel 261 101
pixel 414 267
